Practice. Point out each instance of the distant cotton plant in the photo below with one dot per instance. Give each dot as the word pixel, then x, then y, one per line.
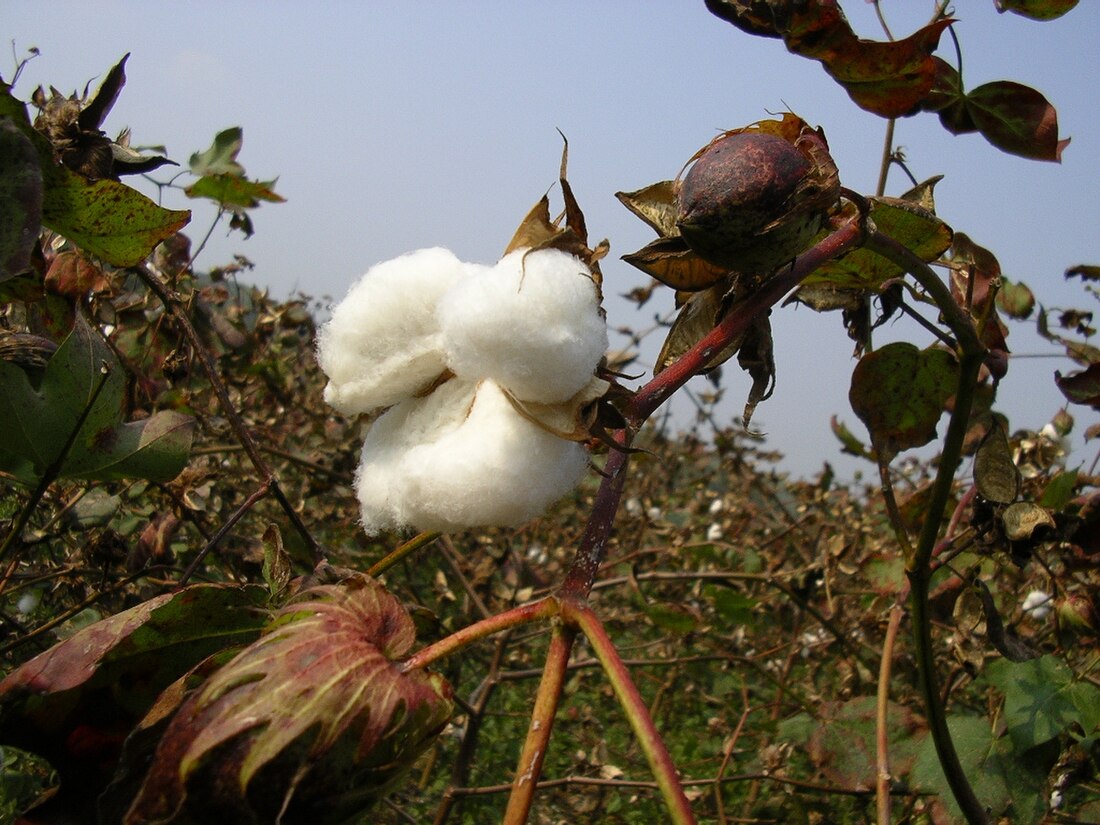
pixel 445 348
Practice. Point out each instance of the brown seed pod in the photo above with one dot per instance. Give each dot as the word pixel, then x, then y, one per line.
pixel 754 199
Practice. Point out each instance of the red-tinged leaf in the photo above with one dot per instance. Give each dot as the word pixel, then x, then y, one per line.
pixel 1081 387
pixel 1037 9
pixel 1016 119
pixel 948 98
pixel 309 724
pixel 890 79
pixel 75 703
pixel 71 274
pixel 899 393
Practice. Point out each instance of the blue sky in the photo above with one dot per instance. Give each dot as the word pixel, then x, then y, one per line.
pixel 394 126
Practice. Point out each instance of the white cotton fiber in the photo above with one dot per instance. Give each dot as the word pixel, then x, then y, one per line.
pixel 410 424
pixel 532 324
pixel 462 457
pixel 497 468
pixel 383 342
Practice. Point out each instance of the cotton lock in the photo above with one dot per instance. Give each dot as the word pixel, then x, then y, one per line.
pixel 437 346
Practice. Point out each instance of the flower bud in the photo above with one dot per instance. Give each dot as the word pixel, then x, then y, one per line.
pixel 1077 613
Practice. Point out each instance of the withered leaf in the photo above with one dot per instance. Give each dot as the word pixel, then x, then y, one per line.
pixel 698 316
pixel 995 473
pixel 655 204
pixel 674 264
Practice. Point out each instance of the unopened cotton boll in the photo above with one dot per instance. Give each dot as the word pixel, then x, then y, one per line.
pixel 461 457
pixel 532 324
pixel 383 343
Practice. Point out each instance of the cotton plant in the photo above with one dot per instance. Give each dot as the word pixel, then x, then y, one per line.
pixel 478 378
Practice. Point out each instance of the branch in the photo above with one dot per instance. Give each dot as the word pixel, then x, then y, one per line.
pixel 918 565
pixel 174 305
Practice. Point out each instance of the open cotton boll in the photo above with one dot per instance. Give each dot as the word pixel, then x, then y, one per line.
pixel 532 323
pixel 382 344
pixel 494 469
pixel 410 424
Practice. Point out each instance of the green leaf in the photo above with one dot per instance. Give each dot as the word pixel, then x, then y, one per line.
pixel 843 743
pixel 1042 699
pixel 1004 781
pixel 20 199
pixel 1037 9
pixel 221 157
pixel 733 606
pixel 83 387
pixel 312 722
pixel 1016 300
pixel 1059 490
pixel 907 222
pixel 671 617
pixel 899 393
pixel 233 191
pixel 107 218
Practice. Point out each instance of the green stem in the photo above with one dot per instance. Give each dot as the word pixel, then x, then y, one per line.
pixel 660 762
pixel 918 565
pixel 394 556
pixel 533 755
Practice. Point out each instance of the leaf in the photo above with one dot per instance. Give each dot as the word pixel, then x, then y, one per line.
pixel 733 606
pixel 92 116
pixel 899 392
pixel 73 275
pixel 277 566
pixel 76 702
pixel 106 218
pixel 83 380
pixel 843 743
pixel 310 723
pixel 995 473
pixel 1059 490
pixel 1016 300
pixel 1081 387
pixel 849 443
pixel 1003 780
pixel 674 618
pixel 698 316
pixel 905 221
pixel 1037 9
pixel 1085 272
pixel 221 157
pixel 674 264
pixel 20 199
pixel 233 191
pixel 655 204
pixel 1042 699
pixel 1013 117
pixel 889 79
pixel 1017 119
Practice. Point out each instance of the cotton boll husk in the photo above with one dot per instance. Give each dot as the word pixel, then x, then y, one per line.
pixel 410 424
pixel 532 324
pixel 383 342
pixel 495 469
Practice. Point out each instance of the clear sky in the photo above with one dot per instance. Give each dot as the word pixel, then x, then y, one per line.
pixel 398 125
